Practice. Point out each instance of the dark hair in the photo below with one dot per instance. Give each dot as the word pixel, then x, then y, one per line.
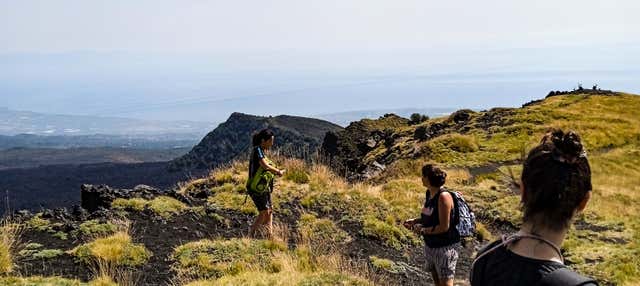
pixel 263 135
pixel 435 175
pixel 556 178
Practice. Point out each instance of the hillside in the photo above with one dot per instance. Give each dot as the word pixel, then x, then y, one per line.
pixel 296 136
pixel 342 226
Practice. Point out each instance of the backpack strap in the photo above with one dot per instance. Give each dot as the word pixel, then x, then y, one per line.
pixel 565 277
pixel 504 240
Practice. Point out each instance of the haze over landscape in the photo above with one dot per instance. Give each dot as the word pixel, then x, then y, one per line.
pixel 201 61
pixel 126 127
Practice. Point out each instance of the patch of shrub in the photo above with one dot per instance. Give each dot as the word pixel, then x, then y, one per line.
pixel 136 204
pixel 390 235
pixel 117 249
pixel 206 258
pixel 321 230
pixel 166 207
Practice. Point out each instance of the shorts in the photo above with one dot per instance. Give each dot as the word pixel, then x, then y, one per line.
pixel 442 260
pixel 262 200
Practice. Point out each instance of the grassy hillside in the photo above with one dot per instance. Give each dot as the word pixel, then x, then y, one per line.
pixel 332 231
pixel 486 158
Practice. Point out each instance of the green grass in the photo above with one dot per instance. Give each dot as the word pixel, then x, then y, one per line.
pixel 163 206
pixel 285 279
pixel 205 259
pixel 117 249
pixel 233 201
pixel 384 264
pixel 321 230
pixel 39 281
pixel 166 207
pixel 392 235
pixel 135 204
pixel 96 228
pixel 38 223
pixel 609 126
pixel 52 281
pixel 47 253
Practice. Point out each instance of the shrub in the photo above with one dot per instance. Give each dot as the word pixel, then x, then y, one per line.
pixel 117 249
pixel 391 235
pixel 233 201
pixel 321 231
pixel 417 118
pixel 136 204
pixel 166 207
pixel 37 280
pixel 296 171
pixel 217 258
pixel 47 253
pixel 9 239
pixel 38 223
pixel 456 142
pixel 384 264
pixel 95 228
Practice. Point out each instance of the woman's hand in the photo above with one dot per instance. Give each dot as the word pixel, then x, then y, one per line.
pixel 281 172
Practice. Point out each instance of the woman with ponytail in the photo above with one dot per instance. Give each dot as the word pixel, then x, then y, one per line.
pixel 556 185
pixel 260 182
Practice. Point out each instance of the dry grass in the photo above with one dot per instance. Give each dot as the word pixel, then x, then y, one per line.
pixel 111 257
pixel 9 241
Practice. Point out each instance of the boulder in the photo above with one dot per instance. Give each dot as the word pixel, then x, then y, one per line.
pixel 94 197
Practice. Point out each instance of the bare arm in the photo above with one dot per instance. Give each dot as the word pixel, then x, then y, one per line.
pixel 269 168
pixel 445 207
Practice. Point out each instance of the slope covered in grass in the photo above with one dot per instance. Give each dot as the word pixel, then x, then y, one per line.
pixel 332 231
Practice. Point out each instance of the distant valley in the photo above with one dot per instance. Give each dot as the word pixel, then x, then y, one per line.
pixel 13 122
pixel 34 157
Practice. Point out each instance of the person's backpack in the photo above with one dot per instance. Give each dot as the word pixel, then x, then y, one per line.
pixel 565 277
pixel 466 219
pixel 261 181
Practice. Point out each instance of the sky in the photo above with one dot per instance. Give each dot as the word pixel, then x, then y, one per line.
pixel 202 60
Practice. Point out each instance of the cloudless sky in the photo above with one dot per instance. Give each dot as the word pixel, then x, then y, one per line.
pixel 201 60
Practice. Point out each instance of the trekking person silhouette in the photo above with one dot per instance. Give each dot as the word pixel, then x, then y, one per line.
pixel 555 186
pixel 260 182
pixel 435 224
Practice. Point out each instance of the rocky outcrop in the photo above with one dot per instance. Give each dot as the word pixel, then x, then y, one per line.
pixel 297 136
pixel 96 197
pixel 346 149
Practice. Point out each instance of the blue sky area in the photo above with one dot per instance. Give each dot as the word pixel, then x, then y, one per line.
pixel 201 60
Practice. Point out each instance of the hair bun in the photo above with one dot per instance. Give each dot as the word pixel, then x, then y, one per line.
pixel 571 144
pixel 566 147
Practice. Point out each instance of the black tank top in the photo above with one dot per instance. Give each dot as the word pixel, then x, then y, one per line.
pixel 429 217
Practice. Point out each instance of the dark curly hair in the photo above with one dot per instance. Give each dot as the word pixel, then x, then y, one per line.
pixel 262 135
pixel 556 177
pixel 435 175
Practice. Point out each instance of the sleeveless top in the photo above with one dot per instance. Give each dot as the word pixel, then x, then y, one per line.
pixel 429 217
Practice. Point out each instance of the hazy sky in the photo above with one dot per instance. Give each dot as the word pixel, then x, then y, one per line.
pixel 201 60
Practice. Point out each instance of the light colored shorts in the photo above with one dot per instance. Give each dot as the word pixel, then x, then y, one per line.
pixel 442 260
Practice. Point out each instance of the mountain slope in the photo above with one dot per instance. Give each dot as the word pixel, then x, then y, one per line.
pixel 297 136
pixel 483 150
pixel 335 232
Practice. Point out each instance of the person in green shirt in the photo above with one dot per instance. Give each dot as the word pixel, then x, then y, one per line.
pixel 260 183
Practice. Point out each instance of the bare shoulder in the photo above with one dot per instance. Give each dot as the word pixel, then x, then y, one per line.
pixel 446 198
